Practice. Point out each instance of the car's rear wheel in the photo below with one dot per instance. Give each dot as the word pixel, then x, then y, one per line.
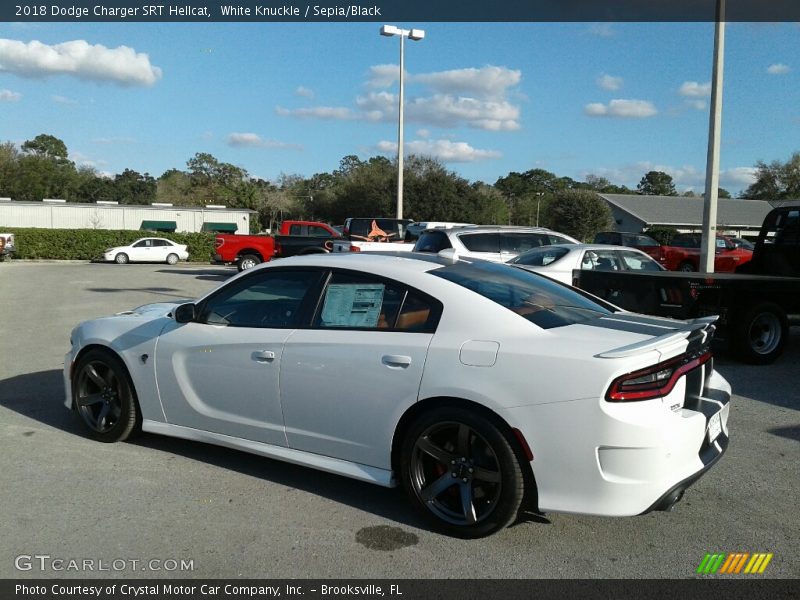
pixel 103 397
pixel 121 258
pixel 760 333
pixel 248 261
pixel 686 267
pixel 172 259
pixel 461 473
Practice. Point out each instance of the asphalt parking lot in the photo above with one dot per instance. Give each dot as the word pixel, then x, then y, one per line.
pixel 237 515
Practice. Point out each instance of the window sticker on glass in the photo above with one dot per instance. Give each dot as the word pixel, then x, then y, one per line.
pixel 352 305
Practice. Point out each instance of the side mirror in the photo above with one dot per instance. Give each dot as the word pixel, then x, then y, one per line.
pixel 185 313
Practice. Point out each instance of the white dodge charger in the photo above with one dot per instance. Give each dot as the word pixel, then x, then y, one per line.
pixel 474 385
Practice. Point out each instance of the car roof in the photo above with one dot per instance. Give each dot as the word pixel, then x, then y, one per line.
pixel 580 247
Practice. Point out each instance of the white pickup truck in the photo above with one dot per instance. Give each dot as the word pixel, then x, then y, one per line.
pixel 6 245
pixel 374 234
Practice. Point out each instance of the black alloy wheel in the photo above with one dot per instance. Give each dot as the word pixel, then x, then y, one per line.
pixel 461 473
pixel 103 397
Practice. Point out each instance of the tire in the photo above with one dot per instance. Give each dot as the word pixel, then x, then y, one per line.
pixel 760 333
pixel 104 399
pixel 461 473
pixel 686 267
pixel 307 251
pixel 172 259
pixel 248 261
pixel 121 258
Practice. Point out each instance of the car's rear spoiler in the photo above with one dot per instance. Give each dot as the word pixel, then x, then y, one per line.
pixel 703 327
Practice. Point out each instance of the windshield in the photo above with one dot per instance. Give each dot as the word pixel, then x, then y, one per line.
pixel 541 301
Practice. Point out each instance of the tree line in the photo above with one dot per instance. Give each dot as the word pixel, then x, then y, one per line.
pixel 41 168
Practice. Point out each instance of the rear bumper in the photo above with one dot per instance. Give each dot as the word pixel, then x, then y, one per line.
pixel 216 259
pixel 622 459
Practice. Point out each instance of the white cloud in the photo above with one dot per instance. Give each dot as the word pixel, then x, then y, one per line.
pixel 697 104
pixel 121 65
pixel 442 110
pixel 9 96
pixel 63 100
pixel 738 177
pixel 253 140
pixel 113 140
pixel 461 97
pixel 694 89
pixel 338 113
pixel 486 82
pixel 383 75
pixel 685 177
pixel 304 92
pixel 778 69
pixel 604 30
pixel 445 150
pixel 609 82
pixel 423 133
pixel 621 108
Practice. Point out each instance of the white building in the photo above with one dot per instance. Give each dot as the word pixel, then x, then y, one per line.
pixel 57 214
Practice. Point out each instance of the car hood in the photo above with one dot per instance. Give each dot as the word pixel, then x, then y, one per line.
pixel 154 310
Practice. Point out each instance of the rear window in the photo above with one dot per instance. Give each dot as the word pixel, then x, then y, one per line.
pixel 607 238
pixel 432 241
pixel 540 257
pixel 646 241
pixel 537 299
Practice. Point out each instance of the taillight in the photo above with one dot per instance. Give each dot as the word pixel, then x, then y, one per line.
pixel 276 249
pixel 354 248
pixel 653 382
pixel 218 242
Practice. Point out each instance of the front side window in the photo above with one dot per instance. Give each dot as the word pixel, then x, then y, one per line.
pixel 271 298
pixel 635 261
pixel 601 260
pixel 537 299
pixel 143 244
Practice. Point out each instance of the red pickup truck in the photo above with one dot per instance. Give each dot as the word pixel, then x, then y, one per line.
pixel 295 237
pixel 683 254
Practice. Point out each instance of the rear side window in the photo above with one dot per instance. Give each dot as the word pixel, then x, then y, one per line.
pixel 355 301
pixel 481 242
pixel 537 299
pixel 520 242
pixel 317 231
pixel 432 241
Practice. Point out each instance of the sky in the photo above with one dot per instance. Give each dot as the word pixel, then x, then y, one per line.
pixel 611 99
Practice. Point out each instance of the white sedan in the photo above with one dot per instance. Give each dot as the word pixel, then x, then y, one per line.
pixel 558 262
pixel 148 250
pixel 472 384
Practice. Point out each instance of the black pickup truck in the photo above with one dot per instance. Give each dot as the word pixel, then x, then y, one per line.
pixel 756 305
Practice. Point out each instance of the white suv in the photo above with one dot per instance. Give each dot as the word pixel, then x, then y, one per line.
pixel 496 243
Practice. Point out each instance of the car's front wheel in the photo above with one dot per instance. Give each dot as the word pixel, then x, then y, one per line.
pixel 103 397
pixel 461 473
pixel 121 258
pixel 172 259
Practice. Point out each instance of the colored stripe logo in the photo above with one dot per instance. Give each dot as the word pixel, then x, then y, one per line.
pixel 734 563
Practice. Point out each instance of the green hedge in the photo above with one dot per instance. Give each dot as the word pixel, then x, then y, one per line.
pixel 88 244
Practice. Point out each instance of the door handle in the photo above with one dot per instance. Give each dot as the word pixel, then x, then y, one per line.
pixel 396 360
pixel 264 356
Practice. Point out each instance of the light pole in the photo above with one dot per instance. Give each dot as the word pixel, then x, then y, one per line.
pixel 416 35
